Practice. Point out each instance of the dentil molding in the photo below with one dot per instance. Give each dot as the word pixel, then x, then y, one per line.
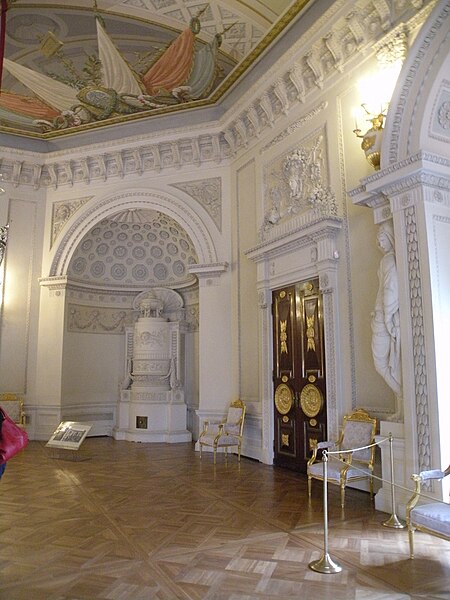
pixel 328 47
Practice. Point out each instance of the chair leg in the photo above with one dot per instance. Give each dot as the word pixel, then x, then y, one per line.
pixel 411 541
pixel 309 485
pixel 239 452
pixel 371 487
pixel 215 452
pixel 226 454
pixel 342 495
pixel 200 451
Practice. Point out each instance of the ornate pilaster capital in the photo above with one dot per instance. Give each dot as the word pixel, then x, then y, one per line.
pixel 421 177
pixel 57 286
pixel 209 274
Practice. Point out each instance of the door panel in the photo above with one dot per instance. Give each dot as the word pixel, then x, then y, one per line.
pixel 298 373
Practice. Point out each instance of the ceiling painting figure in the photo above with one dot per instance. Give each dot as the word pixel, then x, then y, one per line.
pixel 70 68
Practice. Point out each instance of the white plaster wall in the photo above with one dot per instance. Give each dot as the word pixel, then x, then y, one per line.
pixel 247 315
pixel 19 291
pixel 247 197
pixel 229 336
pixel 358 279
pixel 92 369
pixel 438 224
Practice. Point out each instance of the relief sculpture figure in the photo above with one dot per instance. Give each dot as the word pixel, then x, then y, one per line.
pixel 386 320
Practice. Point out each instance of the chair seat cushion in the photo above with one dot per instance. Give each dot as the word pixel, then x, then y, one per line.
pixel 334 471
pixel 207 440
pixel 228 440
pixel 224 440
pixel 435 517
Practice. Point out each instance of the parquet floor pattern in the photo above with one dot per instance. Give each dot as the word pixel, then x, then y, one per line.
pixel 151 521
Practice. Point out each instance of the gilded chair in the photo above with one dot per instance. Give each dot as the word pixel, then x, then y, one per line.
pixel 12 404
pixel 432 517
pixel 225 434
pixel 358 431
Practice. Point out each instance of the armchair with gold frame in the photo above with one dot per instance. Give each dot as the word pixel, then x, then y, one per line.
pixel 12 404
pixel 432 518
pixel 225 434
pixel 358 431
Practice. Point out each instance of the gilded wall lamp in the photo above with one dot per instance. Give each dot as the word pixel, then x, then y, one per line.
pixel 371 140
pixel 376 91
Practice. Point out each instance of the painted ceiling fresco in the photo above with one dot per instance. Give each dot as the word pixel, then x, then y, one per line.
pixel 69 67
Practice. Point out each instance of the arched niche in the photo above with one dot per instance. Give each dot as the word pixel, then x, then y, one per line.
pixel 93 213
pixel 417 120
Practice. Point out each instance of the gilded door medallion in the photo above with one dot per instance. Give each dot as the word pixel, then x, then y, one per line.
pixel 300 415
pixel 311 400
pixel 284 399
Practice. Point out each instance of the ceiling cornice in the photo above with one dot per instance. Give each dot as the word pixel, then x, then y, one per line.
pixel 313 61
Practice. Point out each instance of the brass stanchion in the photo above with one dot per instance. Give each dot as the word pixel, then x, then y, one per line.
pixel 325 564
pixel 393 520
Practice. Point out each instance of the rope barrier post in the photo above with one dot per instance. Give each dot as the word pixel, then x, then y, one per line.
pixel 393 520
pixel 325 564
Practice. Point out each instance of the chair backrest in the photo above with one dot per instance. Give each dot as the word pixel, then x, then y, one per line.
pixel 358 431
pixel 235 417
pixel 12 404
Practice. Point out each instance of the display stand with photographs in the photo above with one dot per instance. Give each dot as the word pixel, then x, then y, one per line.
pixel 66 440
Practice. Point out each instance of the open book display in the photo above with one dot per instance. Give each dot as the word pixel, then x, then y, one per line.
pixel 69 435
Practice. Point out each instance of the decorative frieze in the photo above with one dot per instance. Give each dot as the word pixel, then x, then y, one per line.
pixel 61 213
pixel 443 115
pixel 393 47
pixel 419 351
pixel 208 193
pixel 307 66
pixel 98 320
pixel 292 128
pixel 297 183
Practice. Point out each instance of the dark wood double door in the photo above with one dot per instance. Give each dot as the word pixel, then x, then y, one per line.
pixel 300 408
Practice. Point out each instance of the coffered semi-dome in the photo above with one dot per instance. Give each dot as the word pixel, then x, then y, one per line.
pixel 137 249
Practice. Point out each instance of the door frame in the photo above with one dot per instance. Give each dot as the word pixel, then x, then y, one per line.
pixel 308 253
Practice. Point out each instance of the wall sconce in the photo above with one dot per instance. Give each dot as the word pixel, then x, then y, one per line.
pixel 371 140
pixel 376 92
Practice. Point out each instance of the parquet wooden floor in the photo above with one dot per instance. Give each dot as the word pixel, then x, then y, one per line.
pixel 152 521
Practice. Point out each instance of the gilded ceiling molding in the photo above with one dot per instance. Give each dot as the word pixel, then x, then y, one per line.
pixel 208 193
pixel 329 45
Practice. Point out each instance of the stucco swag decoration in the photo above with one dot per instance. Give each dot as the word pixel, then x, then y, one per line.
pixel 298 183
